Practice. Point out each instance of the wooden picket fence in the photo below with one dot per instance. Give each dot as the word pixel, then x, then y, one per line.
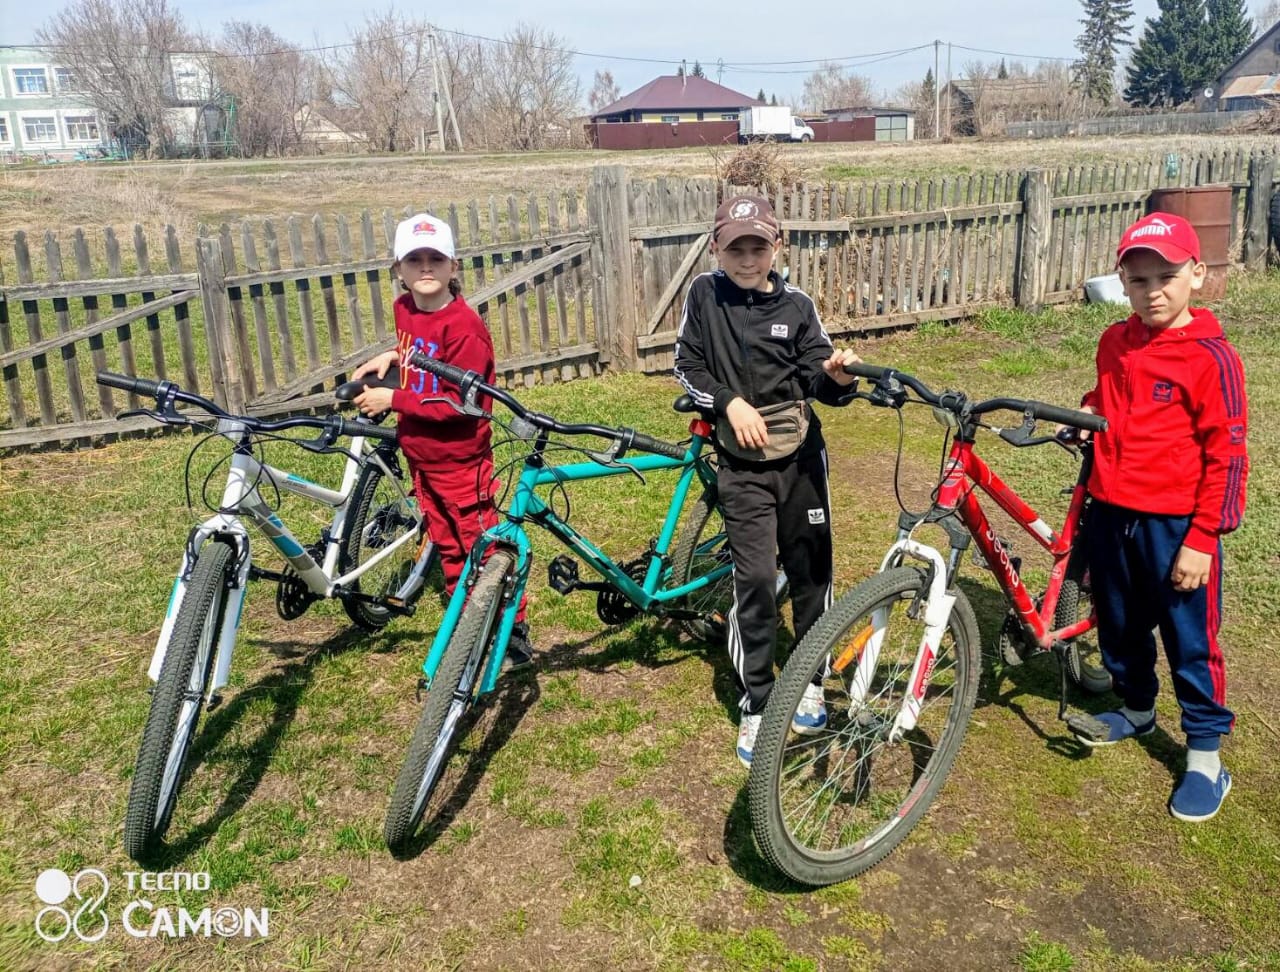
pixel 266 316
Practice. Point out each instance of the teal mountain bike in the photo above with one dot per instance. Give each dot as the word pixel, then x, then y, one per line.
pixel 688 579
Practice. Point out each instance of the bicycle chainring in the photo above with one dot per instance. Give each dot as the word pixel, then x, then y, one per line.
pixel 293 597
pixel 1013 644
pixel 612 606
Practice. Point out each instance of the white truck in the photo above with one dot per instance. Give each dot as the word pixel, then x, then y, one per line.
pixel 771 123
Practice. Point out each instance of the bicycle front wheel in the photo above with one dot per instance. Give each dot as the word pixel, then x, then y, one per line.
pixel 380 514
pixel 704 546
pixel 827 805
pixel 451 694
pixel 176 701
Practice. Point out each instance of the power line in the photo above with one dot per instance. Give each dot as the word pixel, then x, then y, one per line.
pixel 1029 57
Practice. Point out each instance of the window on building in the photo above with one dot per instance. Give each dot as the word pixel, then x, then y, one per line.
pixel 891 128
pixel 30 81
pixel 65 80
pixel 40 128
pixel 81 128
pixel 729 116
pixel 670 119
pixel 4 130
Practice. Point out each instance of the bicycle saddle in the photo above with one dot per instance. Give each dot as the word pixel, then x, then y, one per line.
pixel 348 390
pixel 684 404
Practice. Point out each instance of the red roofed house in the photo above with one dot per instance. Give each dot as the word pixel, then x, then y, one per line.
pixel 691 111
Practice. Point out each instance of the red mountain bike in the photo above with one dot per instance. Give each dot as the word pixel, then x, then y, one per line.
pixel 899 659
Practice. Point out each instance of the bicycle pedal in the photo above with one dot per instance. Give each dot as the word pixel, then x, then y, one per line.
pixel 215 700
pixel 562 574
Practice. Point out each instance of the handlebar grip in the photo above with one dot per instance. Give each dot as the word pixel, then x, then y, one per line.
pixel 864 370
pixel 1068 416
pixel 143 387
pixel 442 369
pixel 366 429
pixel 646 443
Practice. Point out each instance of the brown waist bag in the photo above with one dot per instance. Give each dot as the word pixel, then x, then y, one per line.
pixel 787 424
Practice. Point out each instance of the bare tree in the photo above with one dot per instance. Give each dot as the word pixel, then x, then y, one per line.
pixel 385 74
pixel 830 87
pixel 265 79
pixel 119 53
pixel 1267 16
pixel 605 91
pixel 522 92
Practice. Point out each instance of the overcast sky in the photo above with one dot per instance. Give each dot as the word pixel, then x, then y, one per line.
pixel 741 35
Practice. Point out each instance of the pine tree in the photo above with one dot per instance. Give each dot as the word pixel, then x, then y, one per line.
pixel 697 70
pixel 1167 67
pixel 760 96
pixel 680 70
pixel 773 99
pixel 1228 32
pixel 1003 73
pixel 1106 27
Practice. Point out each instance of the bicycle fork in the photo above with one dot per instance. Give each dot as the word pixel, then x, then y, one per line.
pixel 937 610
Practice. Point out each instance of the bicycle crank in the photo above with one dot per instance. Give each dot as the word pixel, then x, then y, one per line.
pixel 614 607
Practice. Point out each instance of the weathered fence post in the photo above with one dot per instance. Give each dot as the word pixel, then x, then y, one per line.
pixel 1257 207
pixel 612 264
pixel 1032 280
pixel 224 369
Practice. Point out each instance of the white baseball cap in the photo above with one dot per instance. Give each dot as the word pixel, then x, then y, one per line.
pixel 423 232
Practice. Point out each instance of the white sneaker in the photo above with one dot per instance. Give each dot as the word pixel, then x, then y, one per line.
pixel 747 731
pixel 811 713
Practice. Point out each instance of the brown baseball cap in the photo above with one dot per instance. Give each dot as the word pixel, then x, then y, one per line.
pixel 740 216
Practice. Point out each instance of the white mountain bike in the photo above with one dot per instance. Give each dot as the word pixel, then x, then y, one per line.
pixel 373 556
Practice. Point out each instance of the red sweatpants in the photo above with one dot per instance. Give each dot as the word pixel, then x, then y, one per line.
pixel 456 499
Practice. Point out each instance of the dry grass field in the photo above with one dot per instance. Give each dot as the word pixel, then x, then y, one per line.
pixel 66 195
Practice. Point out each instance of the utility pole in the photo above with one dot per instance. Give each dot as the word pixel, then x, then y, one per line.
pixel 442 86
pixel 719 69
pixel 949 98
pixel 937 93
pixel 435 87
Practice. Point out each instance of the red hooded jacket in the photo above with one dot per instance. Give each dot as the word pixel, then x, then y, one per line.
pixel 1177 417
pixel 434 431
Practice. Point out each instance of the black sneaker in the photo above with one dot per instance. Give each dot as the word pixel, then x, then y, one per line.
pixel 519 649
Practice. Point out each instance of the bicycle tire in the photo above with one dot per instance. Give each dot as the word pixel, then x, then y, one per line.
pixel 876 799
pixel 380 515
pixel 451 694
pixel 177 701
pixel 1083 658
pixel 704 545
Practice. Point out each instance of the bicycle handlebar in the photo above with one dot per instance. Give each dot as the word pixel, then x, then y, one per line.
pixel 959 404
pixel 467 381
pixel 167 392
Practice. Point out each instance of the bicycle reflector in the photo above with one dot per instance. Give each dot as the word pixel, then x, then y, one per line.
pixel 853 650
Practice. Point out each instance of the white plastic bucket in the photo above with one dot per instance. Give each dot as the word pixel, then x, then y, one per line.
pixel 1105 290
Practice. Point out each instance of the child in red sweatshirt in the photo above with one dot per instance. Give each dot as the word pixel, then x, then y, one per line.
pixel 448 453
pixel 1168 482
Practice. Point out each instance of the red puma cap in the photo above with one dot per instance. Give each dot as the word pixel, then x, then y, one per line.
pixel 1170 236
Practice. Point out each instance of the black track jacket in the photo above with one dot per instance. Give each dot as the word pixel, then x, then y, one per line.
pixel 767 348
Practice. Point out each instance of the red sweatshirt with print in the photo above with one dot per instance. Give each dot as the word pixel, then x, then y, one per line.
pixel 1177 417
pixel 434 431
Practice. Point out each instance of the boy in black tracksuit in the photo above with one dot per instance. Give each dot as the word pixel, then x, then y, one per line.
pixel 747 341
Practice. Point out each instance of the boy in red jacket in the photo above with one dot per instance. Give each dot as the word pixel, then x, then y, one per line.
pixel 1168 482
pixel 448 453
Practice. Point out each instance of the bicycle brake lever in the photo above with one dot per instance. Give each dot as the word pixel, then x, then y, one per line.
pixel 468 408
pixel 610 459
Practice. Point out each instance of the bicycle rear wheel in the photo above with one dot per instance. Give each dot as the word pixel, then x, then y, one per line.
pixel 176 702
pixel 827 806
pixel 703 546
pixel 452 693
pixel 380 514
pixel 1084 657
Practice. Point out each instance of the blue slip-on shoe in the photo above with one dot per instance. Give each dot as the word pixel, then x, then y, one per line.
pixel 1196 797
pixel 1118 729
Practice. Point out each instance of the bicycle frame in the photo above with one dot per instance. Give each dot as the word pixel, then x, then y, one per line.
pixel 957 496
pixel 527 505
pixel 241 500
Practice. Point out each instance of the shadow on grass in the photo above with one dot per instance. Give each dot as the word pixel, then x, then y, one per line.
pixel 283 688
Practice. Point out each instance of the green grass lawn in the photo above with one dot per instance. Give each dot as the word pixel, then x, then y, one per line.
pixel 606 825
